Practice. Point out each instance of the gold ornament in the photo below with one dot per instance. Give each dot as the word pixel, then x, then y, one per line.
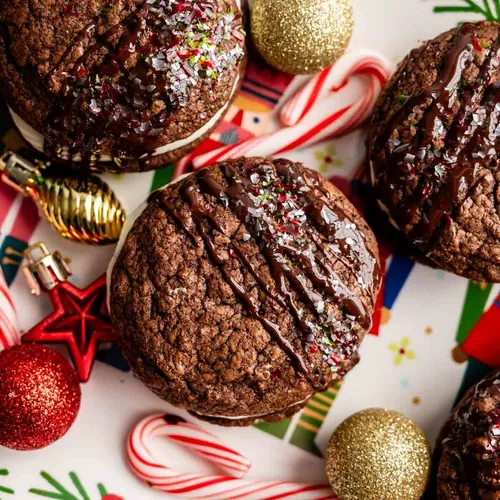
pixel 301 36
pixel 378 455
pixel 82 208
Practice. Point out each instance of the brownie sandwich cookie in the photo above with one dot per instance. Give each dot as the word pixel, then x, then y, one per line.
pixel 126 85
pixel 434 146
pixel 244 288
pixel 468 448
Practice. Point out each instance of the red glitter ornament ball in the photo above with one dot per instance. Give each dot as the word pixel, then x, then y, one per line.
pixel 39 397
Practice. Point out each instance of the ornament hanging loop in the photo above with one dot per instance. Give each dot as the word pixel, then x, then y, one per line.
pixel 44 269
pixel 17 172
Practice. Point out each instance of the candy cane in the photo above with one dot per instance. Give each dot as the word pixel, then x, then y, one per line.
pixel 9 327
pixel 333 79
pixel 339 104
pixel 148 467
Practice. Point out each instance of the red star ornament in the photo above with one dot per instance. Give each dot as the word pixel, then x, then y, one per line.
pixel 79 319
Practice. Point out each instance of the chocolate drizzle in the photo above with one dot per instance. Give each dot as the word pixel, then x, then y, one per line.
pixel 120 95
pixel 473 438
pixel 301 233
pixel 438 171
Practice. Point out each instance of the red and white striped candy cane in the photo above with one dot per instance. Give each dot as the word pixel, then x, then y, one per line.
pixel 157 474
pixel 329 105
pixel 9 327
pixel 332 79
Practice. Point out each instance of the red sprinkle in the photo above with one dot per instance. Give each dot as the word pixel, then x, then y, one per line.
pixel 82 71
pixel 427 190
pixel 70 9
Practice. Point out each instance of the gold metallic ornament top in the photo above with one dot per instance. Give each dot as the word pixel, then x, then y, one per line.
pixel 82 208
pixel 378 454
pixel 44 270
pixel 301 36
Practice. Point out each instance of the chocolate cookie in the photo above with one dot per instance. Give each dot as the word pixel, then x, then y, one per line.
pixel 468 448
pixel 124 85
pixel 244 288
pixel 433 150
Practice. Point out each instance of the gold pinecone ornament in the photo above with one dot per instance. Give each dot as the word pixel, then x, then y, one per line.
pixel 81 208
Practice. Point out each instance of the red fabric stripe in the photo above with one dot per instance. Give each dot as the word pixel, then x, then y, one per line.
pixel 483 341
pixel 261 90
pixel 26 220
pixel 7 196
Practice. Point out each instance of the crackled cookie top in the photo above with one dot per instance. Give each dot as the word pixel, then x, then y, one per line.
pixel 122 78
pixel 433 150
pixel 469 446
pixel 245 287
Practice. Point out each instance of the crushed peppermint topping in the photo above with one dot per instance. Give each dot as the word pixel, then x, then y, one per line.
pixel 168 47
pixel 281 215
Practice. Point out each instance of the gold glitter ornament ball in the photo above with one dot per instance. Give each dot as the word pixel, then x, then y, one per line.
pixel 301 36
pixel 378 455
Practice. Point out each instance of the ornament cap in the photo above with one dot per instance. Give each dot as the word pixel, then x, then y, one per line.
pixel 80 207
pixel 44 269
pixel 16 171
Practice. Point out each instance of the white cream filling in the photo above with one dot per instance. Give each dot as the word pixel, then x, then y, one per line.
pixel 37 140
pixel 224 417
